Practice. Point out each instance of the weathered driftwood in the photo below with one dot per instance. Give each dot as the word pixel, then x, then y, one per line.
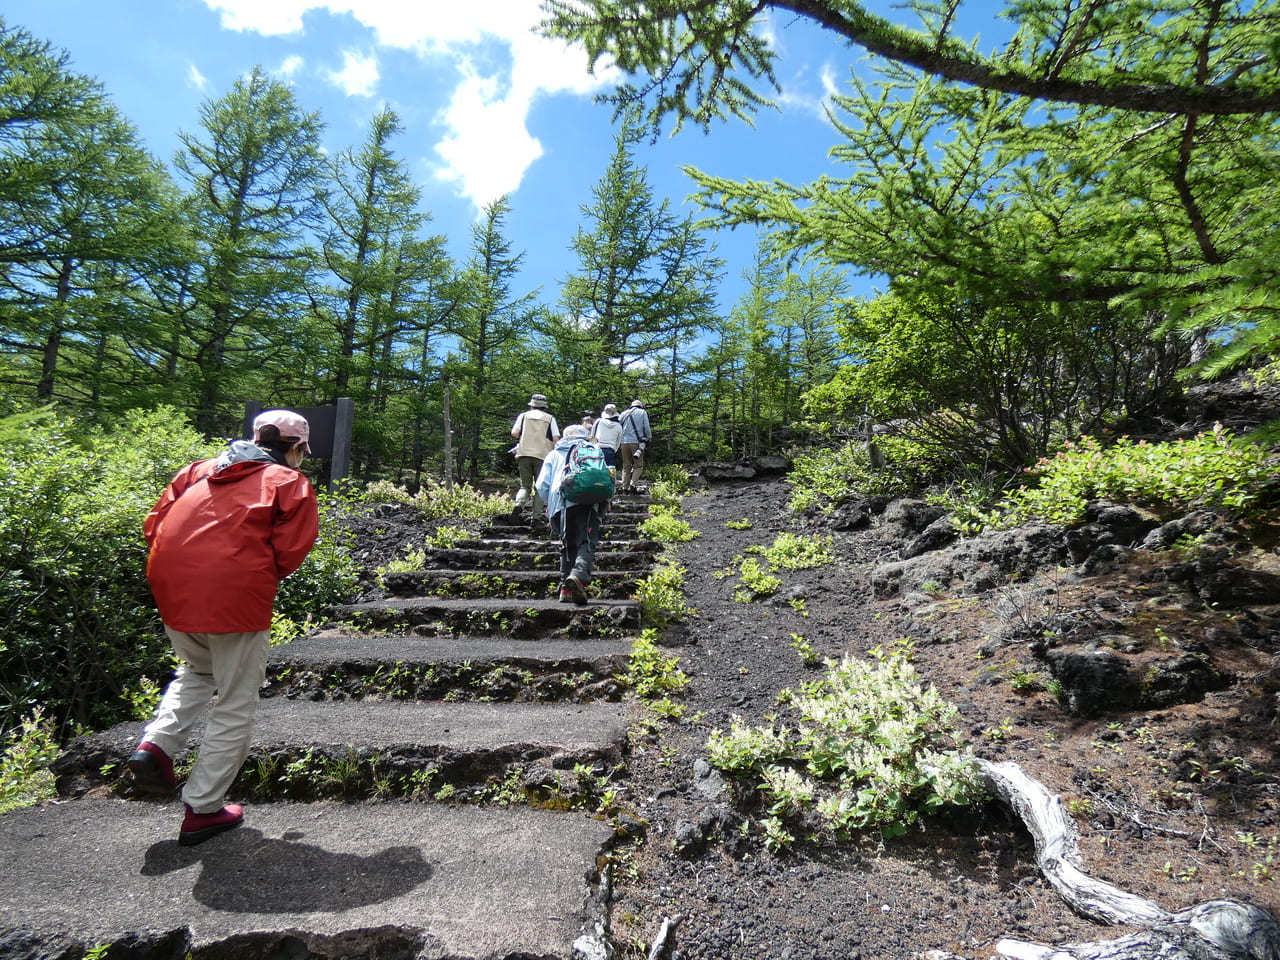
pixel 1215 930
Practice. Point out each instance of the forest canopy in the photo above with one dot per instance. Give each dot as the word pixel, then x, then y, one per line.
pixel 1068 226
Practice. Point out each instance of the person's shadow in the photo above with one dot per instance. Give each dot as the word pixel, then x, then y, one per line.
pixel 245 873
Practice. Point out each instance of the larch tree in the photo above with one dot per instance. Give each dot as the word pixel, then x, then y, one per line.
pixel 493 327
pixel 644 287
pixel 386 283
pixel 254 178
pixel 1117 152
pixel 85 215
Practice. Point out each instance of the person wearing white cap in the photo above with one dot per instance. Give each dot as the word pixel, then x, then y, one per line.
pixel 607 433
pixel 222 536
pixel 536 433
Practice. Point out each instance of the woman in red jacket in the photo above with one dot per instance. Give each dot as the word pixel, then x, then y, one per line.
pixel 223 535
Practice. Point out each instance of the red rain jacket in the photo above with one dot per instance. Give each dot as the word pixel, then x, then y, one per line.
pixel 223 535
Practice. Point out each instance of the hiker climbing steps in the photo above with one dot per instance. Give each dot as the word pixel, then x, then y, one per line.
pixel 467 683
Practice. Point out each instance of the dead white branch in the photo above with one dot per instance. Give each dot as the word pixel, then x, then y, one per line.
pixel 1216 930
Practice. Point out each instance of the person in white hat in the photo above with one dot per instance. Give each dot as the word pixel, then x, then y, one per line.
pixel 222 536
pixel 536 433
pixel 607 433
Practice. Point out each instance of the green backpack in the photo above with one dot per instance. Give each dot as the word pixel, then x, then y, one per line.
pixel 586 477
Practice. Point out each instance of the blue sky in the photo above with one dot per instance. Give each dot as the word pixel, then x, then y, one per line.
pixel 488 107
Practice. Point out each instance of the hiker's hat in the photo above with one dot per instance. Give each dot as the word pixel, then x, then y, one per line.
pixel 575 431
pixel 637 403
pixel 610 412
pixel 539 401
pixel 292 426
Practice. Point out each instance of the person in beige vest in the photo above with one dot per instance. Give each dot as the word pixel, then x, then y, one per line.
pixel 536 433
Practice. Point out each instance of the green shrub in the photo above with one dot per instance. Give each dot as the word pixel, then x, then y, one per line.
pixel 651 673
pixel 329 575
pixel 434 500
pixel 1210 469
pixel 79 632
pixel 870 747
pixel 824 477
pixel 25 756
pixel 669 480
pixel 78 626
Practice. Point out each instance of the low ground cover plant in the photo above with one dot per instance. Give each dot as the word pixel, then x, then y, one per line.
pixel 823 477
pixel 757 578
pixel 866 746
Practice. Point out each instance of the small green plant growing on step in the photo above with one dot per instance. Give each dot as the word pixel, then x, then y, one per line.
pixel 412 561
pixel 447 537
pixel 743 524
pixel 437 500
pixel 283 630
pixel 661 595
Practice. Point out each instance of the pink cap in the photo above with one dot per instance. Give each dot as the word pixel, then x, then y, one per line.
pixel 289 424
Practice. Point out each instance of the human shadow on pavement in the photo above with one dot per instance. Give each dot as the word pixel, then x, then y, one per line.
pixel 243 872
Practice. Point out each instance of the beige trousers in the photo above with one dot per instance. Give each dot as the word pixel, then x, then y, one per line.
pixel 631 464
pixel 232 665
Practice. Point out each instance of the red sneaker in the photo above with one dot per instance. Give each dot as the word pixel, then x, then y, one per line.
pixel 576 589
pixel 199 827
pixel 152 770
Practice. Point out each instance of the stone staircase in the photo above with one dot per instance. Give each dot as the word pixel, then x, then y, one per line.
pixel 422 782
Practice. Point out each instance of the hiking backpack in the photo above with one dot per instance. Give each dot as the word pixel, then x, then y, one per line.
pixel 586 477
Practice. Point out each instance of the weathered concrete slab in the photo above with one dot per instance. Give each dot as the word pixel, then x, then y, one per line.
pixel 388 880
pixel 333 647
pixel 333 665
pixel 531 584
pixel 480 616
pixel 460 741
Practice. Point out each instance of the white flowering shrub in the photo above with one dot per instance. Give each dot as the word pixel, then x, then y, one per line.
pixel 870 746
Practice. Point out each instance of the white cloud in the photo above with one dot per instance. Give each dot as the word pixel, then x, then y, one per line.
pixel 487 146
pixel 358 76
pixel 195 78
pixel 799 92
pixel 290 67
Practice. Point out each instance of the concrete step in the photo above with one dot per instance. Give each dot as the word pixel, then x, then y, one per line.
pixel 379 749
pixel 331 665
pixel 299 880
pixel 545 558
pixel 530 584
pixel 482 616
pixel 501 544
